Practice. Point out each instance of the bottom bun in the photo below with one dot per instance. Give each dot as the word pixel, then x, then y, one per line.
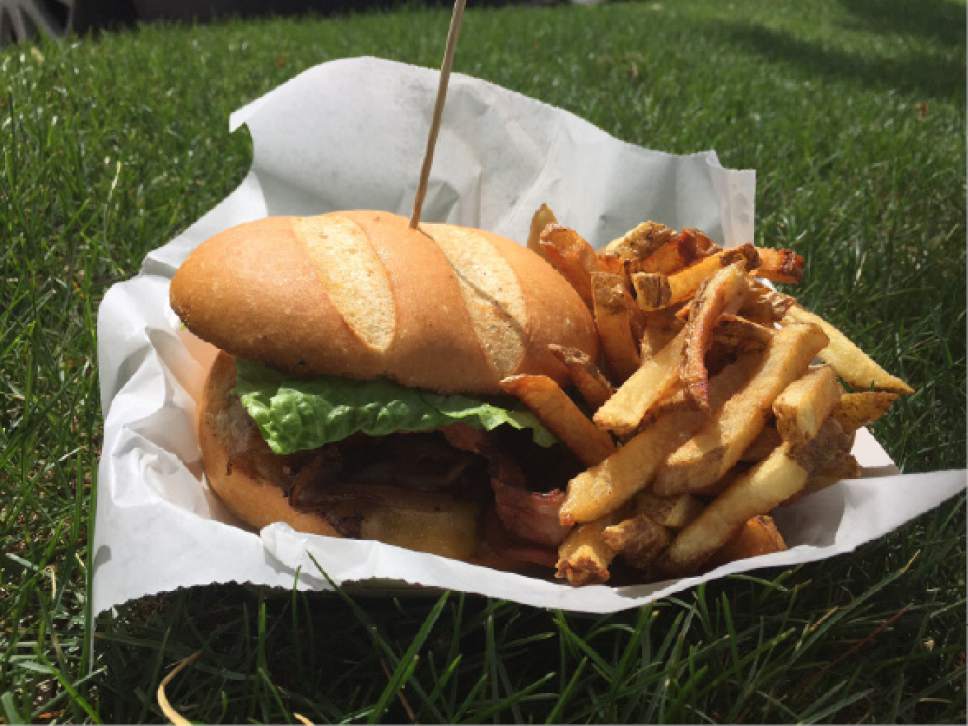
pixel 238 463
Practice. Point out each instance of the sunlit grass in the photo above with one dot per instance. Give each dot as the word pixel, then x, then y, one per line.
pixel 851 111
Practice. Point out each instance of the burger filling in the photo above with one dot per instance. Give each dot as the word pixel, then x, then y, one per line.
pixel 360 452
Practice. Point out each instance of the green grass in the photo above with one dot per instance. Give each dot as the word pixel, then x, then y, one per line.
pixel 852 111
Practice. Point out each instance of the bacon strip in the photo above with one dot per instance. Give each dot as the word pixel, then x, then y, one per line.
pixel 509 553
pixel 531 516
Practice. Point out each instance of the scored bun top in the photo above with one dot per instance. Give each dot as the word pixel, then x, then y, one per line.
pixel 360 294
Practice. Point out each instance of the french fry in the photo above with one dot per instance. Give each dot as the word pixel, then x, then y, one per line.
pixel 571 255
pixel 610 263
pixel 683 250
pixel 843 467
pixel 658 328
pixel 827 458
pixel 604 488
pixel 862 409
pixel 710 453
pixel 561 416
pixel 652 290
pixel 779 265
pixel 850 362
pixel 735 334
pixel 638 539
pixel 675 399
pixel 806 403
pixel 723 292
pixel 543 216
pixel 757 536
pixel 674 512
pixel 762 446
pixel 758 491
pixel 614 326
pixel 741 334
pixel 683 285
pixel 637 317
pixel 632 401
pixel 822 452
pixel 584 556
pixel 765 305
pixel 594 387
pixel 640 241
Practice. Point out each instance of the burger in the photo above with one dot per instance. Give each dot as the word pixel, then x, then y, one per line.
pixel 356 390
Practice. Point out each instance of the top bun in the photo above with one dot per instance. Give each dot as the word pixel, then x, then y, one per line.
pixel 360 294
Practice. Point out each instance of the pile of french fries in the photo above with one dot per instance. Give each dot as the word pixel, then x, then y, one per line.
pixel 717 399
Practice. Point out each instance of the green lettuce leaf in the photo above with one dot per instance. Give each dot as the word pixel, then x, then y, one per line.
pixel 295 414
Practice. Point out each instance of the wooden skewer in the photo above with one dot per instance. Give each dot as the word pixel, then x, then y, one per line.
pixel 452 34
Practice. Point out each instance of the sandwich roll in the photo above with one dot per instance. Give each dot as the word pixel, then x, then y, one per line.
pixel 361 295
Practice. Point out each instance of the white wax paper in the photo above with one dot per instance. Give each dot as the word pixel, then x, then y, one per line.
pixel 350 134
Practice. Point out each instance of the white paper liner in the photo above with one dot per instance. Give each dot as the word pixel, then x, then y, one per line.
pixel 349 134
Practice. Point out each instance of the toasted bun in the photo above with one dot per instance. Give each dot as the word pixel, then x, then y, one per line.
pixel 360 294
pixel 243 481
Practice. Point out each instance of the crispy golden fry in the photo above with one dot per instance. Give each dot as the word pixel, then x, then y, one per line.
pixel 827 458
pixel 632 401
pixel 758 491
pixel 543 216
pixel 675 399
pixel 618 478
pixel 723 292
pixel 779 265
pixel 638 539
pixel 683 285
pixel 658 329
pixel 561 416
pixel 674 512
pixel 571 255
pixel 741 334
pixel 584 556
pixel 449 530
pixel 844 467
pixel 640 241
pixel 862 409
pixel 611 263
pixel 682 314
pixel 850 362
pixel 829 445
pixel 806 403
pixel 683 250
pixel 703 245
pixel 594 387
pixel 709 454
pixel 734 335
pixel 766 306
pixel 613 323
pixel 652 290
pixel 638 318
pixel 757 536
pixel 762 446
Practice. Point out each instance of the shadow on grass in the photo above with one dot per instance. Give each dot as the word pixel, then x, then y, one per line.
pixel 938 20
pixel 927 74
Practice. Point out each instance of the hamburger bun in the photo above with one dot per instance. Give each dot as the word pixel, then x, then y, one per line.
pixel 360 294
pixel 240 467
